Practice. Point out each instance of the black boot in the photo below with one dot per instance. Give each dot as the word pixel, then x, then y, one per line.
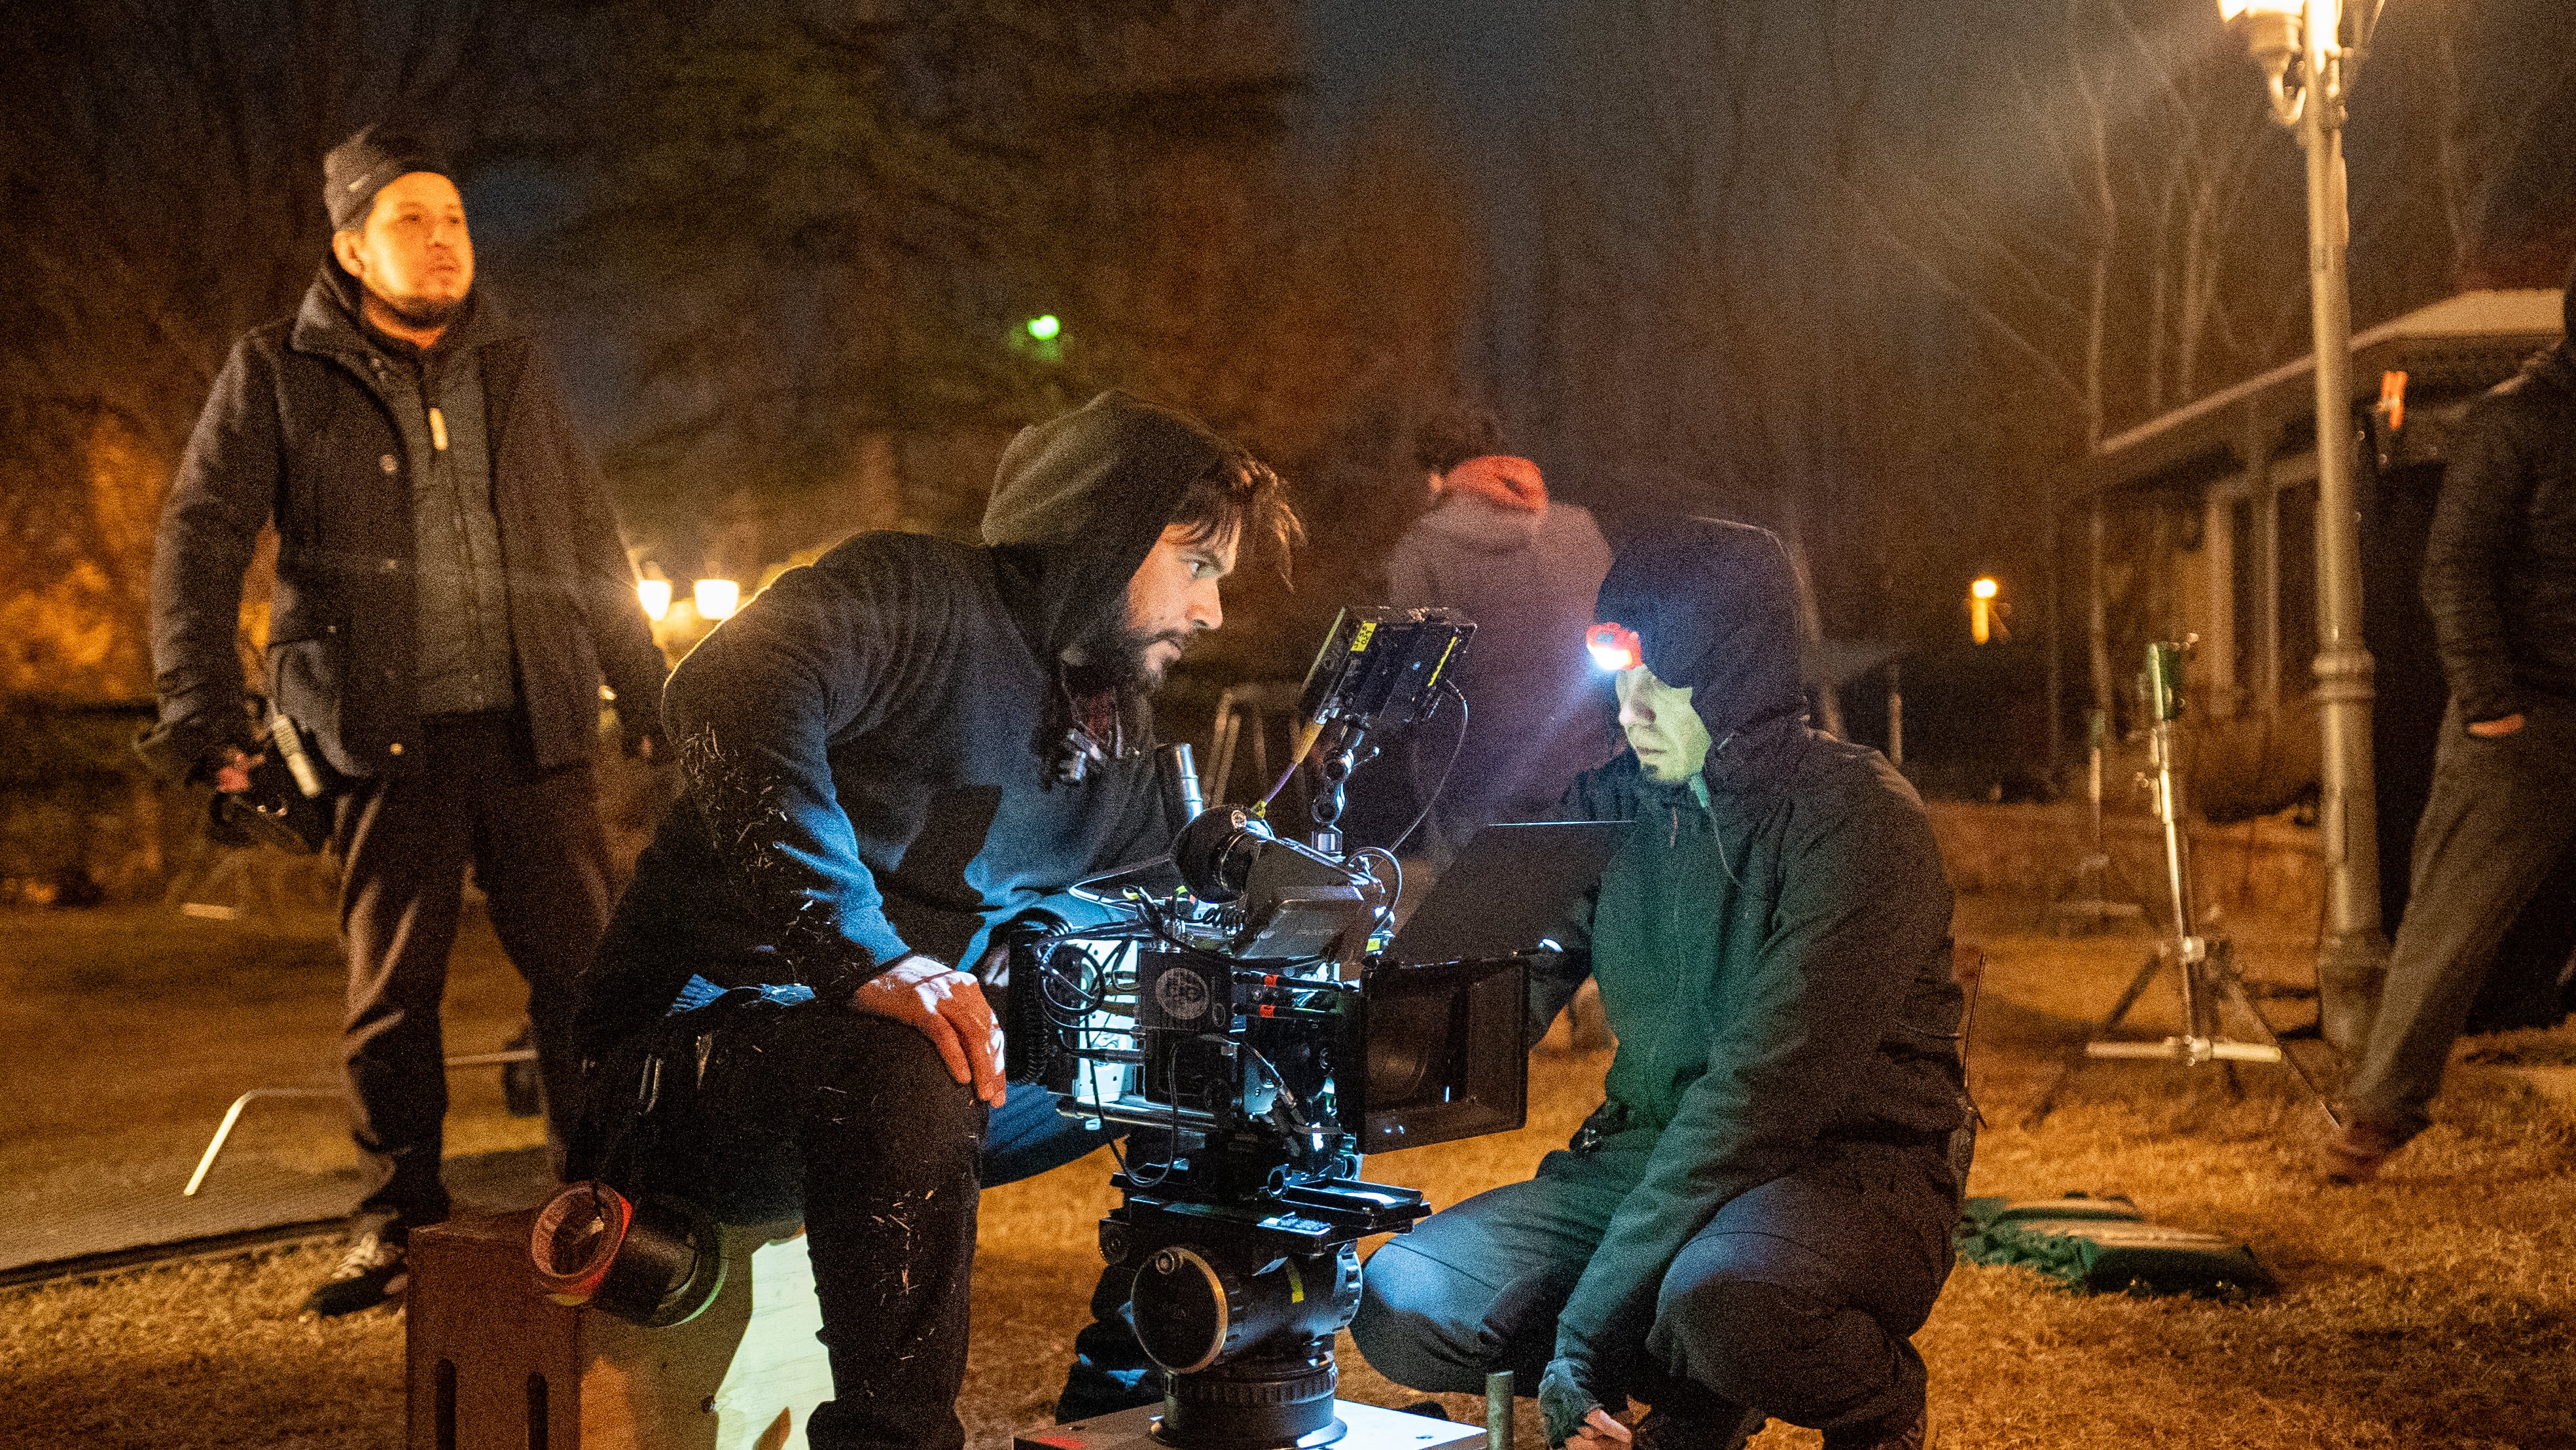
pixel 1110 1371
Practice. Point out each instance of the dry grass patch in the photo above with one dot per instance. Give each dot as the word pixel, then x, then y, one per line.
pixel 2436 1308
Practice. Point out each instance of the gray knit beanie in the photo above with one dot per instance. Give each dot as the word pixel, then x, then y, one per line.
pixel 360 167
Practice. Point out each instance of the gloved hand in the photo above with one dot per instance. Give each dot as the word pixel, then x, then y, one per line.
pixel 1563 1400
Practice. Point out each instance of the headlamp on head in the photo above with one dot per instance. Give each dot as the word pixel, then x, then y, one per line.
pixel 1614 647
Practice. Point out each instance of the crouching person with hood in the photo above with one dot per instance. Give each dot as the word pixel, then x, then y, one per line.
pixel 1758 1218
pixel 894 760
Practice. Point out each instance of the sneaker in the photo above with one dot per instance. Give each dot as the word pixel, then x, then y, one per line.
pixel 2353 1152
pixel 373 1272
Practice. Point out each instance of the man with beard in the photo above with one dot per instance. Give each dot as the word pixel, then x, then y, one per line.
pixel 1758 1216
pixel 895 760
pixel 450 589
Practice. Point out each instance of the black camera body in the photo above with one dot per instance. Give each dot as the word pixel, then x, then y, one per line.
pixel 1243 1020
pixel 1256 1051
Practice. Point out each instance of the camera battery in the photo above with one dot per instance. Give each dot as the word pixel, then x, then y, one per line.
pixel 1184 992
pixel 1185 1022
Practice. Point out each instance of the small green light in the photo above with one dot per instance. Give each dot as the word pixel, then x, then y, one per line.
pixel 1045 328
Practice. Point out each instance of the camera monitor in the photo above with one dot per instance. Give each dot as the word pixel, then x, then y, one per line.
pixel 1507 890
pixel 1382 667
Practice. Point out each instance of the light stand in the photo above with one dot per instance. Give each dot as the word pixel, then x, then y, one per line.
pixel 2299 45
pixel 2204 966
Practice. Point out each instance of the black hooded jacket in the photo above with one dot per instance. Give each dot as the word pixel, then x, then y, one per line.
pixel 1774 960
pixel 868 744
pixel 300 431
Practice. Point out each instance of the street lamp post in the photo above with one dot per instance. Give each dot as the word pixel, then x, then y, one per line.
pixel 2352 954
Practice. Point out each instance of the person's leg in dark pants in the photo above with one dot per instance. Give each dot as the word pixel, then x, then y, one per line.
pixel 1800 1297
pixel 2502 813
pixel 541 857
pixel 854 1122
pixel 889 1142
pixel 1478 1287
pixel 1110 1371
pixel 403 844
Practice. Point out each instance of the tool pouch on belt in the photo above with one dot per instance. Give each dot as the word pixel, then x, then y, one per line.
pixel 689 1107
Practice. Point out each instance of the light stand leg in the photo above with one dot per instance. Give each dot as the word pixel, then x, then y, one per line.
pixel 2232 986
pixel 2077 1056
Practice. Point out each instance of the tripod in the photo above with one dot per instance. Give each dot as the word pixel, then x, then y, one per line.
pixel 2204 966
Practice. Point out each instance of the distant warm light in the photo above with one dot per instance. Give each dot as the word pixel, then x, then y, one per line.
pixel 1614 647
pixel 2228 10
pixel 1045 328
pixel 1981 610
pixel 656 597
pixel 716 598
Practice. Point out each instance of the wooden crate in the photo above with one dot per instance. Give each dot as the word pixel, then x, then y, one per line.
pixel 494 1366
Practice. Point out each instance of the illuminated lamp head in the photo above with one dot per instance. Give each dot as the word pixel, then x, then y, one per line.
pixel 1614 647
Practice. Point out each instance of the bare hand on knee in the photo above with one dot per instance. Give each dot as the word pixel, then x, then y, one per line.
pixel 945 1005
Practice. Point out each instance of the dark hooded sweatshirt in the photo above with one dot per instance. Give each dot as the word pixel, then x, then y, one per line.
pixel 1775 962
pixel 867 745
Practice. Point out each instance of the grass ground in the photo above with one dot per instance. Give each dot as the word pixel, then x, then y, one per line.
pixel 2436 1308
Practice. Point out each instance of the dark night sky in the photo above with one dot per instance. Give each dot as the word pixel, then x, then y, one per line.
pixel 1484 72
pixel 1491 74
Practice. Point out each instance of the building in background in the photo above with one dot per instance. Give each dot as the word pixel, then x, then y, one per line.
pixel 2208 522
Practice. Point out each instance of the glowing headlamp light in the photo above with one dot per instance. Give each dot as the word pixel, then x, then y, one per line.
pixel 1614 647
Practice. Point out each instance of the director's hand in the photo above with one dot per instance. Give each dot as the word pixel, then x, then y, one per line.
pixel 945 1005
pixel 2497 728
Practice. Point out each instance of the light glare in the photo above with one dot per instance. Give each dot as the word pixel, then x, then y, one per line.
pixel 716 598
pixel 1983 589
pixel 1611 657
pixel 655 595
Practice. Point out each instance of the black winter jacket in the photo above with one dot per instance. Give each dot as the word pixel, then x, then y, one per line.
pixel 1772 943
pixel 868 744
pixel 2500 567
pixel 299 432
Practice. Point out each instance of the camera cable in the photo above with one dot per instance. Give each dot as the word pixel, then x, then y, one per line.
pixel 1454 746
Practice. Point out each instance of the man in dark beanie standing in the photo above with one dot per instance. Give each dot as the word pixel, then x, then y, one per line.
pixel 451 588
pixel 2500 580
pixel 1758 1216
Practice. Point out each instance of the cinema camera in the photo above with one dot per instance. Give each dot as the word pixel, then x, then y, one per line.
pixel 1244 1024
pixel 1242 1017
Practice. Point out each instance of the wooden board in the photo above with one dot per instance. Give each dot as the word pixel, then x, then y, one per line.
pixel 495 1366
